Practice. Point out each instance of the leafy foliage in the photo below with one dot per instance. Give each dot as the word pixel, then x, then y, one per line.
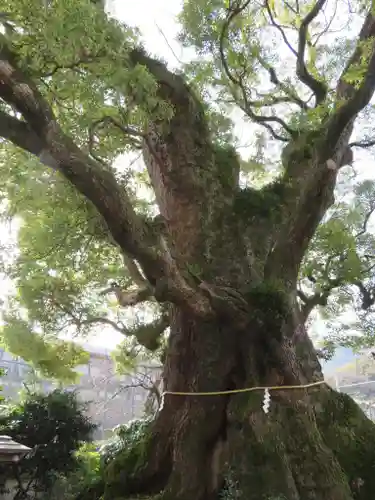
pixel 64 255
pixel 2 373
pixel 340 267
pixel 86 475
pixel 87 480
pixel 54 426
pixel 126 437
pixel 53 357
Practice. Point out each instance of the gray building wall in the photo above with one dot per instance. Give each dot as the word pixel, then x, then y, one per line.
pixel 112 399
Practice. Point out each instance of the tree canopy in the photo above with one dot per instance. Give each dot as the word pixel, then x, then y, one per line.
pixel 77 93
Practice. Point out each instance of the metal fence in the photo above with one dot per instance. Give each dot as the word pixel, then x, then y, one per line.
pixel 363 394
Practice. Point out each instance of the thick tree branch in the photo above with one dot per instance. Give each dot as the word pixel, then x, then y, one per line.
pixel 99 185
pixel 147 335
pixel 134 272
pixel 362 144
pixel 126 298
pixel 307 194
pixel 19 133
pixel 182 165
pixel 366 219
pixel 319 298
pixel 312 162
pixel 238 81
pixel 367 294
pixel 318 87
pixel 352 97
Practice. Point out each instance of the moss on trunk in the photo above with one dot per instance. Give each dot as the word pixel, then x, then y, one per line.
pixel 314 444
pixel 351 437
pixel 283 454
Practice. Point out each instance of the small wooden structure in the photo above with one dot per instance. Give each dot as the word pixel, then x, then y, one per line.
pixel 11 451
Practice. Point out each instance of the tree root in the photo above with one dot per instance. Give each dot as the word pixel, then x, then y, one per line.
pixel 320 447
pixel 143 467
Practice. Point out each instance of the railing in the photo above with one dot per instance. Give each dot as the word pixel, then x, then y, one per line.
pixel 363 394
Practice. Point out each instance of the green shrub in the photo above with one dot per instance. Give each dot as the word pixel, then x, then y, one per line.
pixel 54 425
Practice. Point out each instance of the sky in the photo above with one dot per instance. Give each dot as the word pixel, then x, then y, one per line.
pixel 156 20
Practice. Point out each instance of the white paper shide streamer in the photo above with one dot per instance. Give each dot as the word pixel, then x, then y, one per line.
pixel 266 401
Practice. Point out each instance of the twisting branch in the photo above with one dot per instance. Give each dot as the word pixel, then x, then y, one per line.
pixel 366 220
pixel 362 144
pixel 321 297
pixel 145 382
pixel 279 28
pixel 310 179
pixel 353 97
pixel 291 8
pixel 77 321
pixel 292 96
pixel 134 272
pixel 125 129
pixel 318 87
pixel 266 100
pixel 130 132
pixel 127 298
pixel 147 335
pixel 238 81
pixel 262 120
pixel 367 294
pixel 327 27
pixel 99 321
pixel 318 298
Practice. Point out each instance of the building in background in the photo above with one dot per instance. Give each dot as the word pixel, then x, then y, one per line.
pixel 354 374
pixel 112 399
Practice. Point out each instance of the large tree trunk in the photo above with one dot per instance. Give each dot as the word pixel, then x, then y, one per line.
pixel 246 264
pixel 313 444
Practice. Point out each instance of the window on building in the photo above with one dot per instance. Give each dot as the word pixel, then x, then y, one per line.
pixel 83 369
pixel 24 369
pixel 11 369
pixel 96 371
pixel 6 356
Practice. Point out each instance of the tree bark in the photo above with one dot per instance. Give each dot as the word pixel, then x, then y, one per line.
pixel 228 273
pixel 313 444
